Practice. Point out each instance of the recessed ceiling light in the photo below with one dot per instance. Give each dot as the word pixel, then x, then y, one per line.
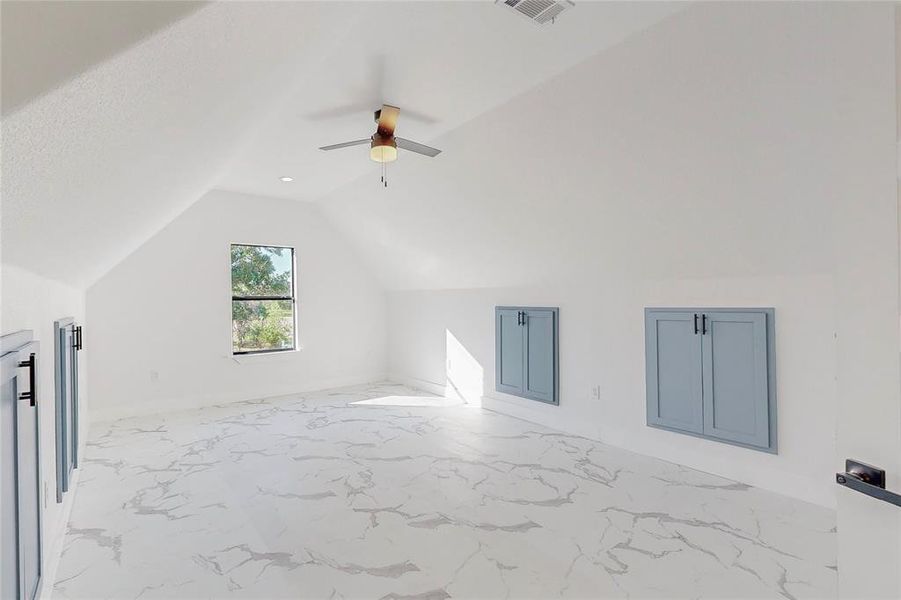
pixel 286 179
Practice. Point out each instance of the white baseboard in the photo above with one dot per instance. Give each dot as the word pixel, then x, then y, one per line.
pixel 165 406
pixel 439 389
pixel 546 415
pixel 54 541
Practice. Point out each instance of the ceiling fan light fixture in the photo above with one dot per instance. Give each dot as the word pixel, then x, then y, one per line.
pixel 383 145
pixel 383 149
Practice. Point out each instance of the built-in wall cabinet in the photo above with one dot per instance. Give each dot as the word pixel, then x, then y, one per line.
pixel 526 361
pixel 711 373
pixel 21 514
pixel 67 344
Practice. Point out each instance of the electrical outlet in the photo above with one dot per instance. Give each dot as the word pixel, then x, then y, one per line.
pixel 596 392
pixel 154 376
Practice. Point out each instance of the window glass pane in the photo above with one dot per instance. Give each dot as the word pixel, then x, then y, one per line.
pixel 262 325
pixel 262 271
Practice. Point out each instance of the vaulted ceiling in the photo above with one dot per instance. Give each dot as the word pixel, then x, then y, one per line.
pixel 146 113
pixel 47 43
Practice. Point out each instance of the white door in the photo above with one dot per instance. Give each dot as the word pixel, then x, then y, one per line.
pixel 868 342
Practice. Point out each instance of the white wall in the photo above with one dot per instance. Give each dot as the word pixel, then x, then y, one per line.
pixel 602 344
pixel 29 301
pixel 695 164
pixel 167 309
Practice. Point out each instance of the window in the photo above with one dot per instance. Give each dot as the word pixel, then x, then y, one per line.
pixel 262 299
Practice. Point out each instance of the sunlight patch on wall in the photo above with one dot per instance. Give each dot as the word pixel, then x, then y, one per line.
pixel 465 376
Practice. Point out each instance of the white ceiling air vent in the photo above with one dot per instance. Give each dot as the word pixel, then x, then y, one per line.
pixel 542 12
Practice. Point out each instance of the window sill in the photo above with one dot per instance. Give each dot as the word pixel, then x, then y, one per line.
pixel 279 356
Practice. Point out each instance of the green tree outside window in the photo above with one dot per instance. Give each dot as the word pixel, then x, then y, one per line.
pixel 262 298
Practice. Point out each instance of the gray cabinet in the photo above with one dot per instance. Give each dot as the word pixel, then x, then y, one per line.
pixel 67 344
pixel 526 362
pixel 711 373
pixel 21 516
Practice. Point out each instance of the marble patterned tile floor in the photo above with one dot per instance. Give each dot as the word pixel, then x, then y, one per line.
pixel 364 493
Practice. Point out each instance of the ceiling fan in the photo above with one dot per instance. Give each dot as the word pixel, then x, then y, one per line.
pixel 383 144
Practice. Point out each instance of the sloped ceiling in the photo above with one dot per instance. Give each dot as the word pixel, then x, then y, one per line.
pixel 235 95
pixel 442 63
pixel 49 42
pixel 699 134
pixel 93 168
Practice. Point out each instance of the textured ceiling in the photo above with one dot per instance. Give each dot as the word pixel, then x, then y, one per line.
pixel 442 63
pixel 234 95
pixel 49 42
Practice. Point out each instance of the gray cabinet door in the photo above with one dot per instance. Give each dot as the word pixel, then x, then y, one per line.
pixel 509 345
pixel 66 378
pixel 9 539
pixel 541 355
pixel 673 363
pixel 74 348
pixel 736 380
pixel 20 495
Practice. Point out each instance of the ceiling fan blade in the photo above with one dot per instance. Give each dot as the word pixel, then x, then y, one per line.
pixel 388 120
pixel 346 144
pixel 416 147
pixel 338 112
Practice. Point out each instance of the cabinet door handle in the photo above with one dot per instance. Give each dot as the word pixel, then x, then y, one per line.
pixel 31 394
pixel 696 323
pixel 703 324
